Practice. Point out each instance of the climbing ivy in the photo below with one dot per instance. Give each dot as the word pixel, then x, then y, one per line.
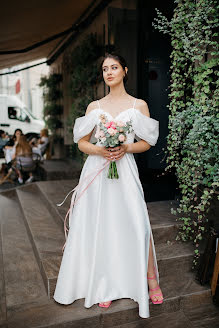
pixel 84 79
pixel 192 142
pixel 52 94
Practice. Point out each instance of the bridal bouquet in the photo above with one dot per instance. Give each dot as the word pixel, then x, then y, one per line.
pixel 112 134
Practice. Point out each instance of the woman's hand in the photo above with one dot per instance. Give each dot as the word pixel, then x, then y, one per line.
pixel 114 153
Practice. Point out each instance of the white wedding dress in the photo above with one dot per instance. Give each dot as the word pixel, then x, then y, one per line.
pixel 106 253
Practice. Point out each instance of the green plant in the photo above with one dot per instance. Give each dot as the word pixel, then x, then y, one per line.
pixel 84 79
pixel 52 109
pixel 192 142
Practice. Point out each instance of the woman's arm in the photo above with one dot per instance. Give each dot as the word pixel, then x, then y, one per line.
pixel 137 147
pixel 87 147
pixel 14 155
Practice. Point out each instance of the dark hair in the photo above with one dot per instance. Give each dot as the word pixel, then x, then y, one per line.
pixel 15 133
pixel 118 58
pixel 1 133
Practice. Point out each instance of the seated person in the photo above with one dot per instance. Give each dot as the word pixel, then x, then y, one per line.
pixel 9 148
pixel 24 160
pixel 14 139
pixel 3 139
pixel 39 146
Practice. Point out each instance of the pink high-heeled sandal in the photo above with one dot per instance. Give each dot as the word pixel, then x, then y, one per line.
pixel 105 306
pixel 153 289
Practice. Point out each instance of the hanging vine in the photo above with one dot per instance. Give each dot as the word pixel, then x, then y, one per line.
pixel 192 142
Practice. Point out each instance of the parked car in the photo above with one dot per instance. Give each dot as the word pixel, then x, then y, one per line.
pixel 14 114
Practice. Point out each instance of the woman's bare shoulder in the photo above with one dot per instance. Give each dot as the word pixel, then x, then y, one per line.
pixel 142 106
pixel 93 105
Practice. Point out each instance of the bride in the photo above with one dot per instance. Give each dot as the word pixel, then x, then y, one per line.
pixel 109 252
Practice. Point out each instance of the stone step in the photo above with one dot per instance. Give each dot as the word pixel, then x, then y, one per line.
pixel 46 236
pixel 177 282
pixel 121 312
pixel 164 224
pixel 202 316
pixel 21 281
pixel 3 310
pixel 172 260
pixel 52 198
pixel 172 320
pixel 61 169
pixel 173 257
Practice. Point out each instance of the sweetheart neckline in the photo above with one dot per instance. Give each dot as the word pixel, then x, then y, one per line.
pixel 118 114
pixel 138 111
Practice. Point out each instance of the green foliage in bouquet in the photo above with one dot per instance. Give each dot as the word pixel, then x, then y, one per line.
pixel 192 143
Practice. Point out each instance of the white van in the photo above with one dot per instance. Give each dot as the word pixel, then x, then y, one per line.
pixel 14 115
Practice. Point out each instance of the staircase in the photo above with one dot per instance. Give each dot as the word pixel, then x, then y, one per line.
pixel 31 230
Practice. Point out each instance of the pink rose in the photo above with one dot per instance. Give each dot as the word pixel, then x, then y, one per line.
pixel 111 131
pixel 121 138
pixel 107 125
pixel 113 125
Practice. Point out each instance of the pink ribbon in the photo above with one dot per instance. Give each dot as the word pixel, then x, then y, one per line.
pixel 99 169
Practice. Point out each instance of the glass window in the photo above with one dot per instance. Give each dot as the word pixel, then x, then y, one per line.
pixel 16 113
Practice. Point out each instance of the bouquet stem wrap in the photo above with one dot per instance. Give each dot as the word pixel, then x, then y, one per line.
pixel 113 173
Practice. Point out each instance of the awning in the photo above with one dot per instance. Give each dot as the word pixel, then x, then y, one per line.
pixel 28 23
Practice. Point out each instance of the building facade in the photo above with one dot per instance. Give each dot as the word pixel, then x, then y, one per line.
pixel 126 25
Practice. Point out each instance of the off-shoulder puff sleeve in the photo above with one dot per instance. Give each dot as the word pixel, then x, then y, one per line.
pixel 145 128
pixel 84 125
